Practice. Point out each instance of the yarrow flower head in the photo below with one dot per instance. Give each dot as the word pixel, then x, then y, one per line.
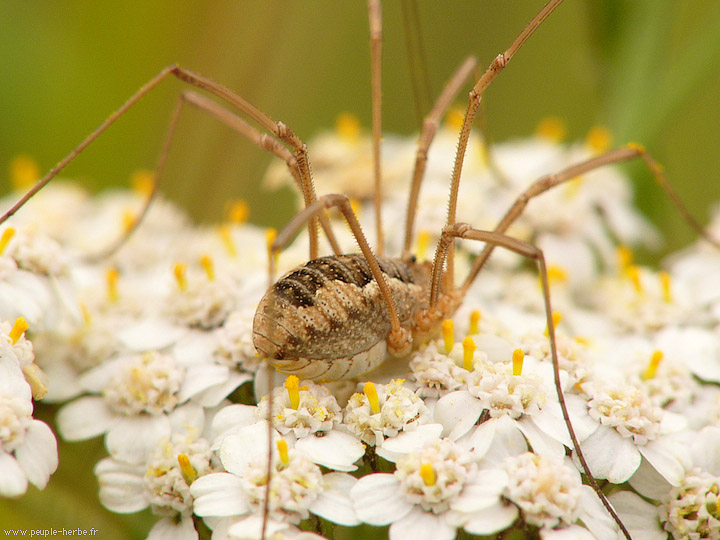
pixel 146 383
pixel 28 450
pixel 203 300
pixel 382 411
pixel 692 509
pixel 546 490
pixel 297 487
pixel 302 408
pixel 434 476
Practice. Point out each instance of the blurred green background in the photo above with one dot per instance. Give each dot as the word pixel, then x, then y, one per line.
pixel 647 69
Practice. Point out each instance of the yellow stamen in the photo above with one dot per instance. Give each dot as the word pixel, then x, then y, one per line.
pixel 355 206
pixel 427 473
pixel 454 119
pixel 475 322
pixel 624 257
pixel 633 274
pixel 556 274
pixel 292 385
pixel 423 241
pixel 637 147
pixel 188 471
pixel 18 329
pixel 371 394
pixel 128 220
pixel 283 451
pixel 517 360
pixel 666 286
pixel 448 334
pixel 237 211
pixel 468 353
pixel 111 282
pixel 207 263
pixel 87 318
pixel 5 238
pixel 572 188
pixel 652 367
pixel 556 318
pixel 142 182
pixel 270 236
pixel 599 139
pixel 552 128
pixel 24 172
pixel 227 240
pixel 37 379
pixel 180 272
pixel 347 126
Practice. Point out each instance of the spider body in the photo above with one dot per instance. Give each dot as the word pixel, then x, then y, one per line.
pixel 327 318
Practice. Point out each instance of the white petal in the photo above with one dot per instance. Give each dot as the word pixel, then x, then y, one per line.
pixel 541 443
pixel 247 444
pixel 187 418
pixel 377 499
pixel 639 516
pixel 201 377
pixel 336 450
pixel 705 450
pixel 98 378
pixel 13 481
pixel 496 348
pixel 672 422
pixel 219 494
pixel 195 347
pixel 169 529
pixel 334 502
pixel 554 423
pixel 491 520
pixel 573 532
pixel 65 384
pixel 231 418
pixel 122 489
pixel 457 412
pixel 134 438
pixel 37 456
pixel 664 456
pixel 482 492
pixel 420 525
pixel 250 528
pixel 408 441
pixel 150 334
pixel 648 482
pixel 85 418
pixel 214 395
pixel 610 455
pixel 507 440
pixel 595 516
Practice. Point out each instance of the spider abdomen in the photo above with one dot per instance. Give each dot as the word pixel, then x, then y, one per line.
pixel 327 317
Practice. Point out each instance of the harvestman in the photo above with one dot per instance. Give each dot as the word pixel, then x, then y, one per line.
pixel 409 299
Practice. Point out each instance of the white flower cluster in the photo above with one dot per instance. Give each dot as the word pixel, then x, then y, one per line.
pixel 151 347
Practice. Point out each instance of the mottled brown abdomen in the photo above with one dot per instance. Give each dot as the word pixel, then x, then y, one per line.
pixel 331 308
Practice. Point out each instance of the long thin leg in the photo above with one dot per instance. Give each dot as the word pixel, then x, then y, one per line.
pixel 414 43
pixel 497 65
pixel 375 17
pixel 278 129
pixel 399 339
pixel 463 230
pixel 619 155
pixel 262 140
pixel 429 128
